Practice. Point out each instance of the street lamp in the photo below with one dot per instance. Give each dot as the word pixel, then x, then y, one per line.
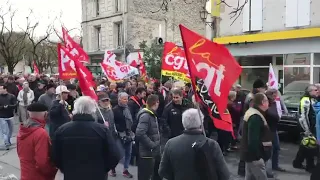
pixel 203 16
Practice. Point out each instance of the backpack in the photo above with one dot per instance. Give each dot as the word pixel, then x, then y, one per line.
pixel 204 164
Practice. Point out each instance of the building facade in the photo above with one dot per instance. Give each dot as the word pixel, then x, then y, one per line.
pixel 122 24
pixel 285 33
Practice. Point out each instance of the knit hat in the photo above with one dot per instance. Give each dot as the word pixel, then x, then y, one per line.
pixel 37 107
pixel 258 84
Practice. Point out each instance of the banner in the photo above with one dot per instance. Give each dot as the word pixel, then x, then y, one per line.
pixel 66 66
pixel 174 62
pixel 116 70
pixel 35 69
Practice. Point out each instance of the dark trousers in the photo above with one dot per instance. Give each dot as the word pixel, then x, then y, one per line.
pixel 145 168
pixel 224 139
pixel 305 154
pixel 156 168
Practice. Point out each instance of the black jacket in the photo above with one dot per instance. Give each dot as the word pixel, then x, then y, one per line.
pixel 12 89
pixel 148 133
pixel 58 116
pixel 178 160
pixel 119 119
pixel 37 93
pixel 135 105
pixel 83 149
pixel 70 101
pixel 161 103
pixel 11 102
pixel 172 118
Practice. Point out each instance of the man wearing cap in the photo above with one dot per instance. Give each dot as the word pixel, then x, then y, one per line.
pixel 33 146
pixel 73 95
pixel 48 97
pixel 38 91
pixel 12 87
pixel 25 98
pixel 59 112
pixel 107 113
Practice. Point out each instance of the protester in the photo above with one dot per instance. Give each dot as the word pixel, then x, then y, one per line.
pixel 172 114
pixel 48 97
pixel 149 138
pixel 179 160
pixel 135 104
pixel 83 149
pixel 33 81
pixel 33 146
pixel 123 121
pixel 72 96
pixel 12 87
pixel 8 104
pixel 107 113
pixel 256 142
pixel 25 98
pixel 38 91
pixel 59 112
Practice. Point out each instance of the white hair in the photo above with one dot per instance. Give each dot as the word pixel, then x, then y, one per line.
pixel 122 94
pixel 84 105
pixel 192 119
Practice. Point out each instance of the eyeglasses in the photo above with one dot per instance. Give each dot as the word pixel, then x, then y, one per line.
pixel 105 100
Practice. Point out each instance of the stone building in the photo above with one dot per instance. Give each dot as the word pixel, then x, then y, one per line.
pixel 115 24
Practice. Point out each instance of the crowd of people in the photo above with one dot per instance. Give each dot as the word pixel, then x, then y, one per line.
pixel 152 125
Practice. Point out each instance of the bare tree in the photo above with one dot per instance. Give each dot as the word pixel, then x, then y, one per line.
pixel 12 44
pixel 37 44
pixel 234 14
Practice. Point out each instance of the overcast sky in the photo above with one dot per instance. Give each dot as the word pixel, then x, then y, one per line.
pixel 45 11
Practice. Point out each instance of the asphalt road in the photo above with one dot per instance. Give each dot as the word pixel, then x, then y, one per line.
pixel 9 162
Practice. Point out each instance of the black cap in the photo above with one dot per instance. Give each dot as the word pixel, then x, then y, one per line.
pixel 50 85
pixel 37 107
pixel 71 87
pixel 258 84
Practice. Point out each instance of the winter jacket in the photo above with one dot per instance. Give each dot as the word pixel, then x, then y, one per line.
pixel 178 160
pixel 58 116
pixel 33 146
pixel 171 119
pixel 83 149
pixel 37 93
pixel 119 119
pixel 272 116
pixel 256 142
pixel 147 133
pixel 30 97
pixel 109 117
pixel 10 101
pixel 12 89
pixel 135 105
pixel 47 99
pixel 316 107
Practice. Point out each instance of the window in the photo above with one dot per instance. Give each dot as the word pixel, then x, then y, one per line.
pixel 252 16
pixel 255 60
pixel 297 59
pixel 249 75
pixel 117 5
pixel 97 7
pixel 119 33
pixel 296 79
pixel 298 13
pixel 98 35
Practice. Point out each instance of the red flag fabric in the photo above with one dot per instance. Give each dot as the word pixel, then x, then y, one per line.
pixel 142 68
pixel 85 80
pixel 74 48
pixel 65 64
pixel 35 68
pixel 213 70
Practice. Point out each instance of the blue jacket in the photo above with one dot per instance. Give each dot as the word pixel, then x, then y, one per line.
pixel 316 107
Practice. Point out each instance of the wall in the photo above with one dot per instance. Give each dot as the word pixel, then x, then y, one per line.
pixel 274 17
pixel 20 68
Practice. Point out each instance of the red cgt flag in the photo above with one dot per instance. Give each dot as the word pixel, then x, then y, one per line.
pixel 142 68
pixel 213 70
pixel 74 48
pixel 85 80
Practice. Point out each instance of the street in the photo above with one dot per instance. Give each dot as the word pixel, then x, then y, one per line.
pixel 9 162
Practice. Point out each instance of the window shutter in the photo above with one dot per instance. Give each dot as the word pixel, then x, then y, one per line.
pixel 304 12
pixel 256 15
pixel 246 17
pixel 291 13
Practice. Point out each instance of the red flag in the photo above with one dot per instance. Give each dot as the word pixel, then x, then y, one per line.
pixel 74 48
pixel 65 64
pixel 213 70
pixel 35 68
pixel 85 80
pixel 142 68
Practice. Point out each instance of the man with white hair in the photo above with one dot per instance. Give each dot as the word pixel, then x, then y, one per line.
pixel 180 160
pixel 83 149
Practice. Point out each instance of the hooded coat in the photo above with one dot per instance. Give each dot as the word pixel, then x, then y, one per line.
pixel 33 145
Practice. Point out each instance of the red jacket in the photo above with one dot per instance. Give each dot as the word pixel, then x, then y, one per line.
pixel 33 145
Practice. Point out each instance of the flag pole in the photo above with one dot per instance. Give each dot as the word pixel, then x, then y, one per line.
pixel 104 120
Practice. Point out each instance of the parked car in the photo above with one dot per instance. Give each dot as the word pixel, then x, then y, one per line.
pixel 289 122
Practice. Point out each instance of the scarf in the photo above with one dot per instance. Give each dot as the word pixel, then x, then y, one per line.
pixel 127 115
pixel 25 96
